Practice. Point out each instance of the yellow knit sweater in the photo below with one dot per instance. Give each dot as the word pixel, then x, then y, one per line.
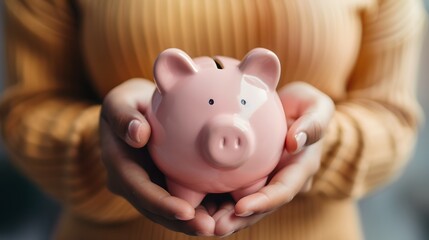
pixel 63 57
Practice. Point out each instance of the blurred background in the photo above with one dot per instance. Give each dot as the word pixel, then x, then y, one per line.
pixel 25 213
pixel 399 211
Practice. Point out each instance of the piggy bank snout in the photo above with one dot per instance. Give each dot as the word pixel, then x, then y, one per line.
pixel 227 141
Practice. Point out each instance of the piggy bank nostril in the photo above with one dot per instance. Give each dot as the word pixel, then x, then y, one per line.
pixel 222 143
pixel 237 143
pixel 230 143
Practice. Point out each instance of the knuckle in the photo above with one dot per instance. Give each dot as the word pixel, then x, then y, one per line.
pixel 106 107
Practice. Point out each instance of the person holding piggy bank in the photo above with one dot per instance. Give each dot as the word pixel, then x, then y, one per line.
pixel 80 82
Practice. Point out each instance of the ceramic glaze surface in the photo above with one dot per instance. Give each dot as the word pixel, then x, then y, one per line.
pixel 217 123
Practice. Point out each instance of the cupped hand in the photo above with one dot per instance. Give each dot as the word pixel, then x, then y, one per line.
pixel 124 132
pixel 308 112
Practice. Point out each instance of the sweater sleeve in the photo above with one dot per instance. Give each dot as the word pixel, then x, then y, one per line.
pixel 49 117
pixel 374 128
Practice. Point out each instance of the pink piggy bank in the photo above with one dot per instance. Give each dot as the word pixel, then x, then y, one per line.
pixel 217 123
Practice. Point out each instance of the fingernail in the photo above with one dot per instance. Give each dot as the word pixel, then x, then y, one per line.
pixel 226 235
pixel 184 217
pixel 300 139
pixel 204 234
pixel 245 214
pixel 133 131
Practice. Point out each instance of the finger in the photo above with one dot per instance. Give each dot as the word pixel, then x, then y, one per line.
pixel 212 202
pixel 122 109
pixel 229 223
pixel 135 184
pixel 211 208
pixel 304 131
pixel 283 187
pixel 310 126
pixel 202 225
pixel 308 112
pixel 143 194
pixel 225 208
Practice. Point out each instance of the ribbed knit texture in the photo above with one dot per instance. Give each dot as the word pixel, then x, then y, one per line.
pixel 64 56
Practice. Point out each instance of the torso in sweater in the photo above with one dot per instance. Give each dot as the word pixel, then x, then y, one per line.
pixel 316 41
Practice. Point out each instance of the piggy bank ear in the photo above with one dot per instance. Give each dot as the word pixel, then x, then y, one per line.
pixel 263 64
pixel 170 67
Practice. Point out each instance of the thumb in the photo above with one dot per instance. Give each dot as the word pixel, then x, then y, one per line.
pixel 309 127
pixel 305 131
pixel 308 112
pixel 127 123
pixel 123 114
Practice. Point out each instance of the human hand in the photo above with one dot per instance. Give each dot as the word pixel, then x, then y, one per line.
pixel 308 112
pixel 124 132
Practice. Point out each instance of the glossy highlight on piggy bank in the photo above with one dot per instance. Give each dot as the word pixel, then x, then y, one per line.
pixel 217 123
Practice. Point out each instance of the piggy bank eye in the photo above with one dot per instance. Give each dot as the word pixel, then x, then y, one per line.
pixel 243 102
pixel 211 101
